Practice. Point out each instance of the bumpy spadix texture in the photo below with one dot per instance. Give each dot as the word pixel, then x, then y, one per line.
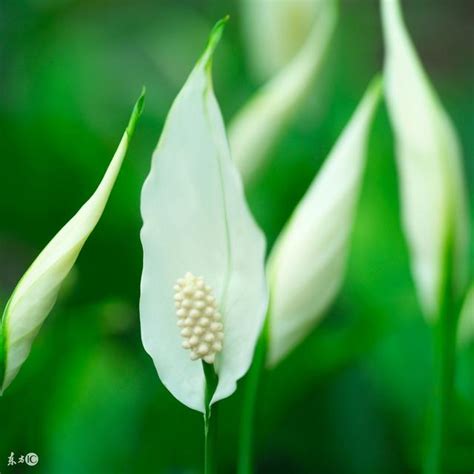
pixel 256 128
pixel 36 293
pixel 307 263
pixel 434 204
pixel 198 317
pixel 195 219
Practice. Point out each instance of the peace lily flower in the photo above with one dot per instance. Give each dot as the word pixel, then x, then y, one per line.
pixel 306 266
pixel 36 292
pixel 255 129
pixel 432 190
pixel 275 31
pixel 203 293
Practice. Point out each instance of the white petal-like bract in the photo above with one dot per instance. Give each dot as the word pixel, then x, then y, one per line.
pixel 434 206
pixel 36 292
pixel 306 266
pixel 275 30
pixel 196 221
pixel 255 129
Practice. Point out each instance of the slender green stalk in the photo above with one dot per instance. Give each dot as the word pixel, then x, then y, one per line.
pixel 246 437
pixel 210 428
pixel 444 333
pixel 445 338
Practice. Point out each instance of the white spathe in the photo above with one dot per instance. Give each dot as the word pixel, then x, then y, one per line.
pixel 306 266
pixel 434 205
pixel 256 128
pixel 196 220
pixel 275 30
pixel 36 292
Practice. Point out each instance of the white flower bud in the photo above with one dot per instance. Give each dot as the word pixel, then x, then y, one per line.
pixel 432 188
pixel 307 264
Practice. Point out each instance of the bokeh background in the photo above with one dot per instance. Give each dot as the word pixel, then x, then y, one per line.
pixel 354 397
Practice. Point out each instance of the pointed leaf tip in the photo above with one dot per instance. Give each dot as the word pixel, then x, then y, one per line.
pixel 214 38
pixel 136 113
pixel 218 28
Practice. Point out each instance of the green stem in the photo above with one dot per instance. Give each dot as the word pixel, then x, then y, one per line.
pixel 445 345
pixel 210 429
pixel 444 334
pixel 246 437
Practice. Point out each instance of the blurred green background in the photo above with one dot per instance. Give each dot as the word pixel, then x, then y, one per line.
pixel 354 397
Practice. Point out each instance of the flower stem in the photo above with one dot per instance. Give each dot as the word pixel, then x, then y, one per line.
pixel 444 334
pixel 246 437
pixel 210 429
